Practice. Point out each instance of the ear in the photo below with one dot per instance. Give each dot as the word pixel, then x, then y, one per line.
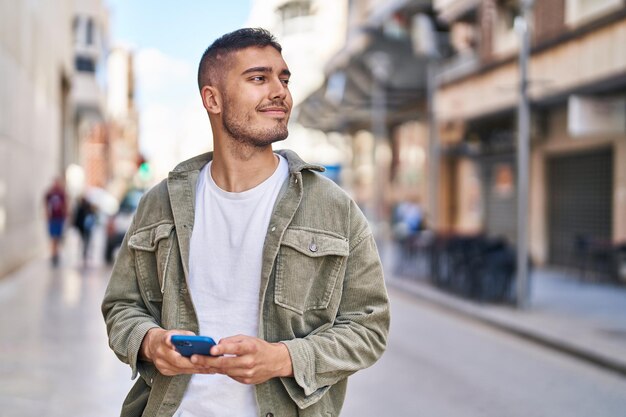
pixel 211 99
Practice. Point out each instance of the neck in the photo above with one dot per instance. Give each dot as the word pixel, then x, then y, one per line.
pixel 238 170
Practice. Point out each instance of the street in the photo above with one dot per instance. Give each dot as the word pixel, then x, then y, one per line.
pixel 55 357
pixel 440 364
pixel 56 361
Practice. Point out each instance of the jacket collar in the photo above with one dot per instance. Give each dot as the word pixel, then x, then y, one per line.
pixel 295 163
pixel 181 184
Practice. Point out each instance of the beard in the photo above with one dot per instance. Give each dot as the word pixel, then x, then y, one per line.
pixel 241 128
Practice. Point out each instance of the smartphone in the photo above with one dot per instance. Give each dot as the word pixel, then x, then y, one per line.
pixel 192 345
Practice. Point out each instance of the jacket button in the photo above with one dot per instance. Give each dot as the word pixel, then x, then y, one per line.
pixel 269 415
pixel 313 247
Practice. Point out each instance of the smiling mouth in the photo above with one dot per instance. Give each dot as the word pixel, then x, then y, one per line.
pixel 274 111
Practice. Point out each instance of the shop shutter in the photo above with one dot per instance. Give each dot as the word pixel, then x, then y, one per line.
pixel 579 198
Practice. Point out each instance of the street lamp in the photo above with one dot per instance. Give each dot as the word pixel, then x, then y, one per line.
pixel 379 64
pixel 424 40
pixel 523 145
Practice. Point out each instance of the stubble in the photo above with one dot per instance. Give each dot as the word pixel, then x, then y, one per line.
pixel 241 128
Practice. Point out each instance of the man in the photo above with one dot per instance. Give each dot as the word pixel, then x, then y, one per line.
pixel 250 247
pixel 56 211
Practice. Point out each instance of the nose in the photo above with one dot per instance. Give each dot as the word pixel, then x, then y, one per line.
pixel 278 90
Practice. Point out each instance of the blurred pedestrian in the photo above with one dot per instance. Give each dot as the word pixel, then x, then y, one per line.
pixel 407 224
pixel 56 212
pixel 409 219
pixel 84 221
pixel 270 251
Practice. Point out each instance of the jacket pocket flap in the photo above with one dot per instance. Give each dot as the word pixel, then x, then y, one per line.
pixel 148 239
pixel 314 243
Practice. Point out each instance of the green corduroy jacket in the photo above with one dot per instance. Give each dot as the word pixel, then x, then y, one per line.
pixel 322 291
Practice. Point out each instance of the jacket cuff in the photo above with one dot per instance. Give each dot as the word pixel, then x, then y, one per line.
pixel 302 387
pixel 134 344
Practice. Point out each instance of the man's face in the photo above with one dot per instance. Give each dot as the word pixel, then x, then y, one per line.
pixel 256 98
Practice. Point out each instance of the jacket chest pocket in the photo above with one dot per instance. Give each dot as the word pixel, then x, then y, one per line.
pixel 307 268
pixel 152 247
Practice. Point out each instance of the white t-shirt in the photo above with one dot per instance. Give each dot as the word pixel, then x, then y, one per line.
pixel 224 280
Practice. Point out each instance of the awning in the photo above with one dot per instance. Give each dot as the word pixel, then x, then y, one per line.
pixel 344 102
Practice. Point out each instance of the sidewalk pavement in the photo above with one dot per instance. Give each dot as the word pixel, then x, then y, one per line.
pixel 581 318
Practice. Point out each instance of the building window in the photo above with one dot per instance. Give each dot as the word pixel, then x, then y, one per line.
pixel 294 14
pixel 504 36
pixel 84 64
pixel 508 10
pixel 293 9
pixel 90 33
pixel 579 11
pixel 75 28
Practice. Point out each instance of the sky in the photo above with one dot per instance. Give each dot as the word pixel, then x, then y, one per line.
pixel 168 38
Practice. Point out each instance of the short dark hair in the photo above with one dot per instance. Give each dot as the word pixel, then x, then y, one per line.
pixel 229 43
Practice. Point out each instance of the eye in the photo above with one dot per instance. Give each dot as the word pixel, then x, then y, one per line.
pixel 285 81
pixel 258 78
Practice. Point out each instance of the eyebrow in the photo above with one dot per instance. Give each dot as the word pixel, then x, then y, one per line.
pixel 265 70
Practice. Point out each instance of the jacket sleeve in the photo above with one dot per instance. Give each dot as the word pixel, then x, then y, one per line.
pixel 358 336
pixel 125 313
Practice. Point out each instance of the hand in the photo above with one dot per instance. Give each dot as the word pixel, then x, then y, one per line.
pixel 246 359
pixel 157 348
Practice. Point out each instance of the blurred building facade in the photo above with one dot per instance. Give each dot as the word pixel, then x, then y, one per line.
pixel 375 93
pixel 440 102
pixel 123 156
pixel 577 90
pixel 90 30
pixel 54 114
pixel 36 63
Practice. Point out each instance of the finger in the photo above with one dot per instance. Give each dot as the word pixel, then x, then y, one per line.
pixel 176 367
pixel 205 361
pixel 236 347
pixel 170 333
pixel 228 348
pixel 208 364
pixel 226 345
pixel 171 359
pixel 200 366
pixel 231 365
